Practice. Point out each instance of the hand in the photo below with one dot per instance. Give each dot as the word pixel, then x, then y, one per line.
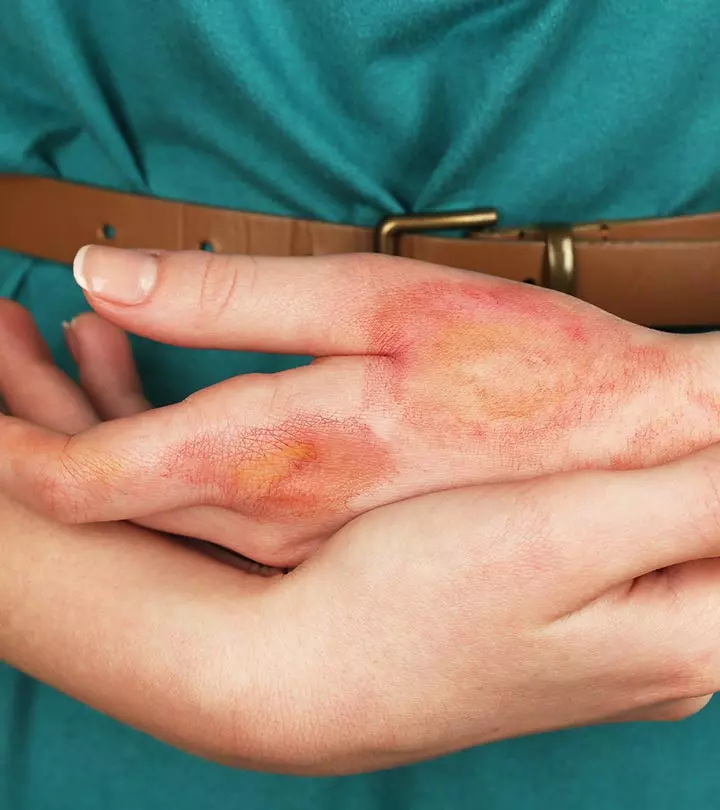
pixel 453 619
pixel 422 628
pixel 428 379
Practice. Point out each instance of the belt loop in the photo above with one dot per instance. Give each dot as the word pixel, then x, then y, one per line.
pixel 560 269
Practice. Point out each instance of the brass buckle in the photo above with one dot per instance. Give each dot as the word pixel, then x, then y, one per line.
pixel 389 230
pixel 560 267
pixel 559 270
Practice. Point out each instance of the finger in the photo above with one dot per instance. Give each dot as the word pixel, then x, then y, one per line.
pixel 271 544
pixel 255 444
pixel 33 387
pixel 105 360
pixel 110 378
pixel 617 526
pixel 107 368
pixel 310 305
pixel 88 478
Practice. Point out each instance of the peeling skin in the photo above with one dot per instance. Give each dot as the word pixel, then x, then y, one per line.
pixel 307 466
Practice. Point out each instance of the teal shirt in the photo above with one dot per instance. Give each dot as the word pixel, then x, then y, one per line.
pixel 346 111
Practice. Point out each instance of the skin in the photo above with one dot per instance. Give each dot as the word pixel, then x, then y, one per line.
pixel 525 593
pixel 426 379
pixel 523 599
pixel 285 472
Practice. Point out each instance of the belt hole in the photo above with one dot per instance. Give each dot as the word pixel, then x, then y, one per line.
pixel 107 232
pixel 207 246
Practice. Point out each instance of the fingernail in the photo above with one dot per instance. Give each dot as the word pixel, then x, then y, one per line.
pixel 117 276
pixel 71 340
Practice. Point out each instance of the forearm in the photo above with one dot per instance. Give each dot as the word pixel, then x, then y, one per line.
pixel 141 628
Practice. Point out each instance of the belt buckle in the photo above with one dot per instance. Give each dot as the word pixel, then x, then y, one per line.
pixel 559 266
pixel 389 230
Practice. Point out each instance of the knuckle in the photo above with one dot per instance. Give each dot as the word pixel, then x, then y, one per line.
pixel 275 397
pixel 220 285
pixel 709 506
pixel 60 491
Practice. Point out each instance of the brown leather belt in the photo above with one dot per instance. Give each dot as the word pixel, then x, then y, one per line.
pixel 664 272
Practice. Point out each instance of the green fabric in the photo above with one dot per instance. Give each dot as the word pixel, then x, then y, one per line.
pixel 345 110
